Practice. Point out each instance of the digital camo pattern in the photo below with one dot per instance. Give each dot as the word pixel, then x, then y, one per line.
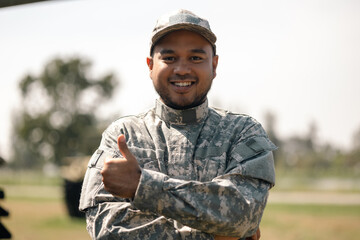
pixel 180 16
pixel 181 20
pixel 205 172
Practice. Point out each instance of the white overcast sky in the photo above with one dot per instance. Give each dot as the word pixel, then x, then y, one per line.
pixel 298 59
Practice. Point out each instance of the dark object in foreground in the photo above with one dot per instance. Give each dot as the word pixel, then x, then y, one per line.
pixel 10 3
pixel 72 172
pixel 72 198
pixel 4 233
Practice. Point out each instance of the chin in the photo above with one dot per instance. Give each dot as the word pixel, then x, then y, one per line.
pixel 183 103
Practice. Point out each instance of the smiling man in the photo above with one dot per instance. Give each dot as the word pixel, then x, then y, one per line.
pixel 182 68
pixel 182 170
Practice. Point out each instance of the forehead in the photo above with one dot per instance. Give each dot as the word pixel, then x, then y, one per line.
pixel 183 40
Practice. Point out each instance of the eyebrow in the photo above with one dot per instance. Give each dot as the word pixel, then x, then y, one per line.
pixel 166 51
pixel 198 50
pixel 195 50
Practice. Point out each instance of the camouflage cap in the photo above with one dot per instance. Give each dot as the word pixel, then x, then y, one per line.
pixel 182 20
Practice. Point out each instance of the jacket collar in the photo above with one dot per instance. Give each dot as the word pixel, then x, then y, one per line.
pixel 181 117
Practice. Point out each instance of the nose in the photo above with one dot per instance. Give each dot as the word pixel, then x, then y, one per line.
pixel 182 68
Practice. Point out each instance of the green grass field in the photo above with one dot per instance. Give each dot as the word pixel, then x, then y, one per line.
pixel 37 212
pixel 311 222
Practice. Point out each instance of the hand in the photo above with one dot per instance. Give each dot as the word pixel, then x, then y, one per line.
pixel 121 175
pixel 256 236
pixel 218 237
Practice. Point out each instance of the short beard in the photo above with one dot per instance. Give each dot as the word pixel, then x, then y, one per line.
pixel 168 102
pixel 197 102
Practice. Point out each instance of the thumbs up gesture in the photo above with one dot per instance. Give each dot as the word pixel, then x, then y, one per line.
pixel 121 175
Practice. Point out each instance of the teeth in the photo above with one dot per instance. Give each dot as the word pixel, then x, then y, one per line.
pixel 182 84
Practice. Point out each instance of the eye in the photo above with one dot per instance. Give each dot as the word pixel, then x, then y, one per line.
pixel 196 58
pixel 169 59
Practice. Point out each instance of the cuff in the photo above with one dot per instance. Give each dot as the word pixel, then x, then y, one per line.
pixel 149 191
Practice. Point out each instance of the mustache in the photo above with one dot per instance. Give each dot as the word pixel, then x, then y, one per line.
pixel 183 77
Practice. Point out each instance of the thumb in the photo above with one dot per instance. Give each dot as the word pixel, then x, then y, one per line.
pixel 124 150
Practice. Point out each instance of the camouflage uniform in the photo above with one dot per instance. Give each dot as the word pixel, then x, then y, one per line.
pixel 205 172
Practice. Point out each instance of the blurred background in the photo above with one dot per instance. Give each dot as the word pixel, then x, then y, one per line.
pixel 68 68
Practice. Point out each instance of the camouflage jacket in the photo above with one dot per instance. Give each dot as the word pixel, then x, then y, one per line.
pixel 205 172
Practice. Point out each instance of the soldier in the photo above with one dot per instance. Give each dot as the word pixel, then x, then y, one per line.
pixel 182 170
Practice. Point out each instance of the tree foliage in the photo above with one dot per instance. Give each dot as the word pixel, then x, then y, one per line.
pixel 308 154
pixel 58 117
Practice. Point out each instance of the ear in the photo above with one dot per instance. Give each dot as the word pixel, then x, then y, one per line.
pixel 215 64
pixel 150 62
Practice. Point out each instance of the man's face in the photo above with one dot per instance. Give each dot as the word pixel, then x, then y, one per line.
pixel 182 69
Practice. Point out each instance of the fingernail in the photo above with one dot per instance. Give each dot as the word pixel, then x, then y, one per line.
pixel 122 138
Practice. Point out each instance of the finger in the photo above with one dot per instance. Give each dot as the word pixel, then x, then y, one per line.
pixel 256 235
pixel 105 167
pixel 124 150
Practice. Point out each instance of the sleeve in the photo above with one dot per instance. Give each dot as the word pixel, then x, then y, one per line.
pixel 230 205
pixel 110 217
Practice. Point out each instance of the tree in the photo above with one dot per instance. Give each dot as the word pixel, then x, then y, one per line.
pixel 58 117
pixel 356 140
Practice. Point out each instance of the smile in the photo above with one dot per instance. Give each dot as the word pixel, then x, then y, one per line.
pixel 182 84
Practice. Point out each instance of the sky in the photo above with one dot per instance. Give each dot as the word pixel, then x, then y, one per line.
pixel 299 60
